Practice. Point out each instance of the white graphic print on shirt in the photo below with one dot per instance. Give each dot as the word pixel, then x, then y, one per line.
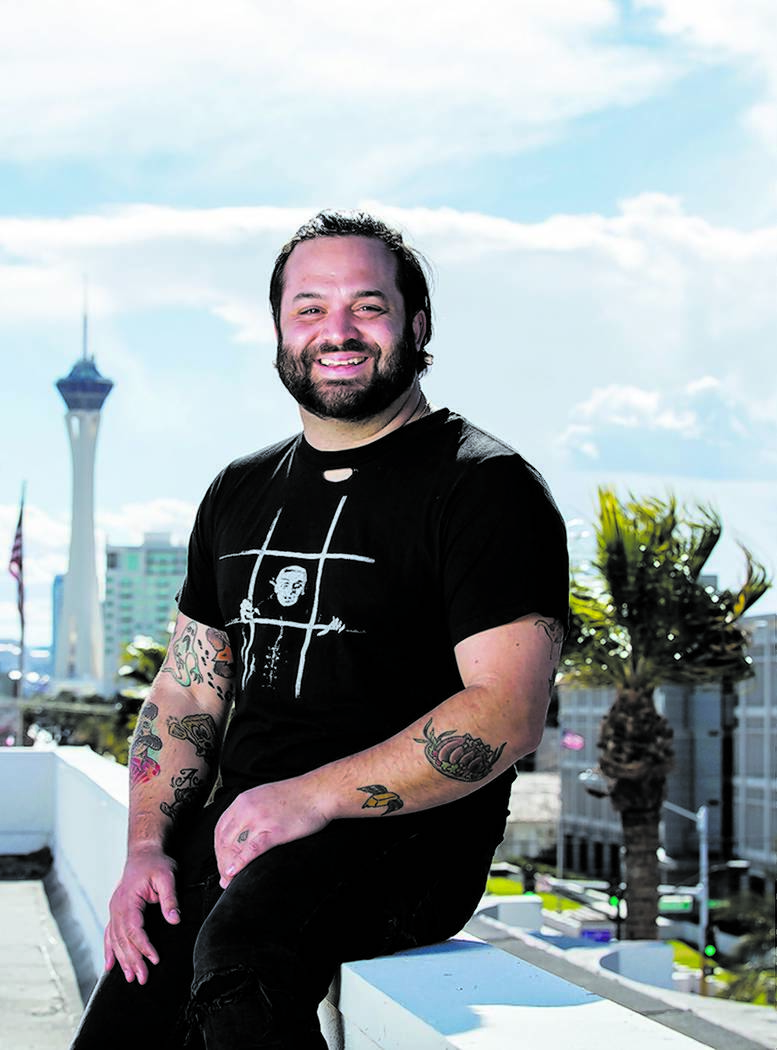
pixel 289 586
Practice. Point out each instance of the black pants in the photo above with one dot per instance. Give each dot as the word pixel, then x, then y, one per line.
pixel 248 966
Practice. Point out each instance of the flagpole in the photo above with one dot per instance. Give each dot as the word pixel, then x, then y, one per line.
pixel 16 568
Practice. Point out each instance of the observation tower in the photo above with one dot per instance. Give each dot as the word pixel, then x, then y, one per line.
pixel 79 643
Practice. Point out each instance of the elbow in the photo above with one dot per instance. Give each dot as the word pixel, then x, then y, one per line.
pixel 527 740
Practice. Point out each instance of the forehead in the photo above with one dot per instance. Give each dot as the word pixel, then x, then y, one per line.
pixel 347 263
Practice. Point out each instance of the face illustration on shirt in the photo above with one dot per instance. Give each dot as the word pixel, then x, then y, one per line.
pixel 289 584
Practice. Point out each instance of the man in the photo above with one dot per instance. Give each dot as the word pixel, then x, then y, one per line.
pixel 367 767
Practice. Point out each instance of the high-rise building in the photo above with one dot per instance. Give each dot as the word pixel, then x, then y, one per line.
pixel 79 644
pixel 755 754
pixel 140 588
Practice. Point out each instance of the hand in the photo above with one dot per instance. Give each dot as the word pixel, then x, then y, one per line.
pixel 264 817
pixel 148 878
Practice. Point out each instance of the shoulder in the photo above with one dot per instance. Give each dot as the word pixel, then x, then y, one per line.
pixel 247 469
pixel 478 458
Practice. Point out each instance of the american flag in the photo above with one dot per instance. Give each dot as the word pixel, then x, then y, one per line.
pixel 16 564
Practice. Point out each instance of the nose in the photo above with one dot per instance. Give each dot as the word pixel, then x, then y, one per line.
pixel 339 325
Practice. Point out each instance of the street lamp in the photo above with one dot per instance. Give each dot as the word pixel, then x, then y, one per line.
pixel 701 820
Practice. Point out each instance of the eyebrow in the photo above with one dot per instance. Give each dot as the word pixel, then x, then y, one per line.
pixel 363 293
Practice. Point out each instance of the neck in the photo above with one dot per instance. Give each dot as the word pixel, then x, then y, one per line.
pixel 332 435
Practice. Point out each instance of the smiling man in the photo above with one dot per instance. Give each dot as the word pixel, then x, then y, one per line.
pixel 366 769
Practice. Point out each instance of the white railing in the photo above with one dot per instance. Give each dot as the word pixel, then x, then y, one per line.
pixel 452 996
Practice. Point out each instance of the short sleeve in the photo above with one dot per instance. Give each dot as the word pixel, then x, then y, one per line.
pixel 198 597
pixel 504 548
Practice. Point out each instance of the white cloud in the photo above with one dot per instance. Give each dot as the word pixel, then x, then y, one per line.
pixel 700 431
pixel 744 31
pixel 340 86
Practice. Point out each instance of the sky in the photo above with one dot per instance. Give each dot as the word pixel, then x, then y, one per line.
pixel 594 184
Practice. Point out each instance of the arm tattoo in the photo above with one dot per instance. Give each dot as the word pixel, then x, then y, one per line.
pixel 554 632
pixel 459 755
pixel 200 730
pixel 210 661
pixel 187 664
pixel 185 790
pixel 142 766
pixel 381 798
pixel 223 665
pixel 555 635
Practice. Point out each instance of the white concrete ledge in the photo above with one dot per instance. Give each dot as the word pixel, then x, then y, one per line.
pixel 467 995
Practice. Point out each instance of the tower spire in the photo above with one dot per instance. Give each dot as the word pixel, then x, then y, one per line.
pixel 85 324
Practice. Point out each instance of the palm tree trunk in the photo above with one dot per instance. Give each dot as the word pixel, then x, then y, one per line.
pixel 640 837
pixel 635 746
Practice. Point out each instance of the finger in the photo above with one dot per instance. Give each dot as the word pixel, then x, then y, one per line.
pixel 168 901
pixel 108 953
pixel 138 938
pixel 130 959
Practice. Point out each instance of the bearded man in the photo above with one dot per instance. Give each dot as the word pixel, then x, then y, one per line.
pixel 364 789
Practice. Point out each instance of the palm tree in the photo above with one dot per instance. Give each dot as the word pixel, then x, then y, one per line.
pixel 641 616
pixel 141 660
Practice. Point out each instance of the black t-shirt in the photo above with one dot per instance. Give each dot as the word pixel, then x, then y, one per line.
pixel 343 601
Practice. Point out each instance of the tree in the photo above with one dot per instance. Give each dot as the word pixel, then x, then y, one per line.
pixel 141 661
pixel 641 616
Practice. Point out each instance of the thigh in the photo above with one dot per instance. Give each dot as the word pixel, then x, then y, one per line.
pixel 354 890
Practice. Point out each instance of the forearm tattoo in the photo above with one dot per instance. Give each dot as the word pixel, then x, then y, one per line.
pixel 185 791
pixel 459 756
pixel 195 661
pixel 221 664
pixel 381 798
pixel 554 632
pixel 142 766
pixel 200 730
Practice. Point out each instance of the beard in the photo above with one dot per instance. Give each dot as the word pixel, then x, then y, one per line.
pixel 394 371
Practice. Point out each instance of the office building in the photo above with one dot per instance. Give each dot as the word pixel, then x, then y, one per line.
pixel 140 588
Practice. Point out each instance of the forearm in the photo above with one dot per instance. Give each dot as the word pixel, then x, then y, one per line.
pixel 173 761
pixel 449 752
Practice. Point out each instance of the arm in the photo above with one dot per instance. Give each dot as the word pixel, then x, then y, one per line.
pixel 507 672
pixel 173 763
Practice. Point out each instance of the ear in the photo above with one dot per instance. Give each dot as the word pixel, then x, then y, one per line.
pixel 419 329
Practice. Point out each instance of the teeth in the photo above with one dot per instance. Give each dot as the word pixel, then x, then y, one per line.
pixel 329 363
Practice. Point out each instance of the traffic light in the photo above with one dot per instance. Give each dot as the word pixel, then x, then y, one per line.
pixel 616 891
pixel 710 945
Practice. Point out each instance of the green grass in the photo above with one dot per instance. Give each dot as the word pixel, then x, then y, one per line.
pixel 500 886
pixel 503 887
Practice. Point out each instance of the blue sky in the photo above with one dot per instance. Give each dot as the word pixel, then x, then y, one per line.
pixel 594 184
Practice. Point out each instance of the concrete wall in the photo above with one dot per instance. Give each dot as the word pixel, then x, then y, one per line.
pixel 74 802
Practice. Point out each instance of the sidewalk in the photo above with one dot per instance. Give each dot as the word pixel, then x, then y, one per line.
pixel 39 1000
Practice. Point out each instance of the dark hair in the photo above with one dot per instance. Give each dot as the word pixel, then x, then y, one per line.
pixel 411 266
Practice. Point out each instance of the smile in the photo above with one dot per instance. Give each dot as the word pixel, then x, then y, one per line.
pixel 341 362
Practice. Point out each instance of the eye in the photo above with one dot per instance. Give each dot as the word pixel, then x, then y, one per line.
pixel 310 310
pixel 370 308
